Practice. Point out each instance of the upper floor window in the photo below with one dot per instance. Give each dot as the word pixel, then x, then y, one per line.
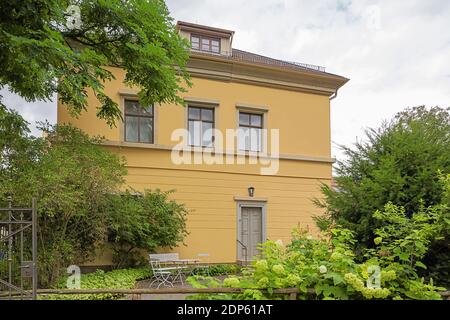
pixel 139 122
pixel 250 132
pixel 200 126
pixel 203 43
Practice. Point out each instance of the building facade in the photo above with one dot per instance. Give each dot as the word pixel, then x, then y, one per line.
pixel 246 155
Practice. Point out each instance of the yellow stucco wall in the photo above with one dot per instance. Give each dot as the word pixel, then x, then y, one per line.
pixel 209 191
pixel 303 118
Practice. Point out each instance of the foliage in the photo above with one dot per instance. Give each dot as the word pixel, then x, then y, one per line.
pixel 438 258
pixel 18 151
pixel 77 184
pixel 322 268
pixel 201 281
pixel 71 176
pixel 219 270
pixel 39 43
pixel 406 240
pixel 116 279
pixel 143 221
pixel 398 163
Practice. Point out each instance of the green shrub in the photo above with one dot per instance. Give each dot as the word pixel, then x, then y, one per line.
pixel 116 279
pixel 327 266
pixel 71 177
pixel 219 270
pixel 77 184
pixel 143 221
pixel 397 163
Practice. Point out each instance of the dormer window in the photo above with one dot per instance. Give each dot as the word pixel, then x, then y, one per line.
pixel 207 39
pixel 206 44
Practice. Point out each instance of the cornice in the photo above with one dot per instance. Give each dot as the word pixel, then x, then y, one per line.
pixel 225 69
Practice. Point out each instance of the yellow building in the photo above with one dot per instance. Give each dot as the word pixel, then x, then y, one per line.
pixel 256 144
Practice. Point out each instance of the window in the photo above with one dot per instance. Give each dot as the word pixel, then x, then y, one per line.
pixel 200 126
pixel 250 132
pixel 139 122
pixel 205 44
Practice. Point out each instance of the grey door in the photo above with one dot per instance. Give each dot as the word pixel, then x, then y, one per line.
pixel 251 232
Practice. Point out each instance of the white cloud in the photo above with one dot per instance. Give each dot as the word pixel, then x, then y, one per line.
pixel 396 53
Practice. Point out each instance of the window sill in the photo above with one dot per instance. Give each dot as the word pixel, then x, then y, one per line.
pixel 217 54
pixel 128 144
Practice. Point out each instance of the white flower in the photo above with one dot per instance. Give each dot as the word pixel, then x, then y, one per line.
pixel 309 237
pixel 279 242
pixel 323 269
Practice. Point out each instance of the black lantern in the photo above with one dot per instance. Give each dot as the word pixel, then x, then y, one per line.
pixel 251 191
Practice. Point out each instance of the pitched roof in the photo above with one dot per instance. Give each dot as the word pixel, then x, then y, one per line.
pixel 245 56
pixel 307 74
pixel 193 26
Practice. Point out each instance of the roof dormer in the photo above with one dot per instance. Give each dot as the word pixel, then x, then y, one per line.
pixel 207 39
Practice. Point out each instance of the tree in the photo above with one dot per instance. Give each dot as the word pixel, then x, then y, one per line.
pixel 143 222
pixel 44 50
pixel 18 151
pixel 399 163
pixel 81 205
pixel 72 181
pixel 71 177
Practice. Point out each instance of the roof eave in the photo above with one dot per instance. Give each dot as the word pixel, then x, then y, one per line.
pixel 337 80
pixel 188 25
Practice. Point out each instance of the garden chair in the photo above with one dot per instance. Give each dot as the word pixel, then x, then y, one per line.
pixel 161 275
pixel 167 268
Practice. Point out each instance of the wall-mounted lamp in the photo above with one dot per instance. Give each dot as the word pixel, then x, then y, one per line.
pixel 251 192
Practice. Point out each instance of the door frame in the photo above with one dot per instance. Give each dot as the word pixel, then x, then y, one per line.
pixel 250 204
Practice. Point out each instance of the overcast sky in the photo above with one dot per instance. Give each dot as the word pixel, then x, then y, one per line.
pixel 396 53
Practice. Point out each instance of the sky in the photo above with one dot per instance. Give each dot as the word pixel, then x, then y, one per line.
pixel 395 53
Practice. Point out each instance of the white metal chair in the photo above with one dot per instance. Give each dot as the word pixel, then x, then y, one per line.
pixel 167 268
pixel 161 275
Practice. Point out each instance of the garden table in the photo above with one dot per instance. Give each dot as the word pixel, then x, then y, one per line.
pixel 185 267
pixel 168 268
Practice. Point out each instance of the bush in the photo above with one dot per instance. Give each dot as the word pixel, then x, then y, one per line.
pixel 71 176
pixel 143 222
pixel 398 163
pixel 219 270
pixel 327 266
pixel 116 279
pixel 77 183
